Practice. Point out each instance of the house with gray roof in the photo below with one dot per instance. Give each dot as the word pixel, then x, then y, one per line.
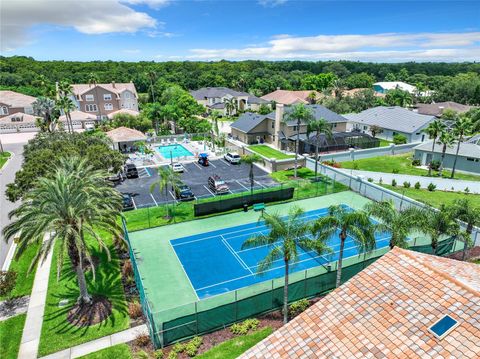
pixel 393 121
pixel 468 155
pixel 216 98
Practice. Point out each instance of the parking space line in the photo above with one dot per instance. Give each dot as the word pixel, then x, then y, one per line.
pixel 156 204
pixel 133 201
pixel 226 162
pixel 213 165
pixel 248 189
pixel 213 194
pixel 196 164
pixel 174 198
pixel 259 184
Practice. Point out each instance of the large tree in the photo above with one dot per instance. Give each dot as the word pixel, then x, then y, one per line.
pixel 466 211
pixel 67 209
pixel 46 109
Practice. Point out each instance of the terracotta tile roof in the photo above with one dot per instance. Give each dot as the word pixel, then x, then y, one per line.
pixel 79 115
pixel 125 134
pixel 290 97
pixel 12 119
pixel 117 88
pixel 15 99
pixel 385 312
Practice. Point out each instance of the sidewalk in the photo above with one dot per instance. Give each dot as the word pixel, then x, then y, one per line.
pixel 99 344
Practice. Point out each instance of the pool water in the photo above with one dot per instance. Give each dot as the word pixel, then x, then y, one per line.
pixel 173 151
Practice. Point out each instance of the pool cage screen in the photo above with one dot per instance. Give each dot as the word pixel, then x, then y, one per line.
pixel 339 141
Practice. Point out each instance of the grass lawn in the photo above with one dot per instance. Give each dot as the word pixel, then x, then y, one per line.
pixel 57 332
pixel 24 283
pixel 4 156
pixel 384 143
pixel 435 198
pixel 10 336
pixel 119 351
pixel 402 163
pixel 232 348
pixel 269 152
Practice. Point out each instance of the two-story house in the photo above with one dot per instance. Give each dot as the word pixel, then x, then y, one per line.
pixel 222 99
pixel 13 102
pixel 103 99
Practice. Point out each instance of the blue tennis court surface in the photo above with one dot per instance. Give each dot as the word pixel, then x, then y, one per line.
pixel 215 262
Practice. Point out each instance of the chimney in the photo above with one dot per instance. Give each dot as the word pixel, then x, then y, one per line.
pixel 113 84
pixel 278 121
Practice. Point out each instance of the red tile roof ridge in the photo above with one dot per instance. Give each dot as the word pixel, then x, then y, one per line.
pixel 443 274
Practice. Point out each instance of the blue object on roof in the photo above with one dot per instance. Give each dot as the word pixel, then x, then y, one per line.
pixel 203 155
pixel 443 326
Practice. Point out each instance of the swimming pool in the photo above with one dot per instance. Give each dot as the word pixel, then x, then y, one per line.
pixel 173 151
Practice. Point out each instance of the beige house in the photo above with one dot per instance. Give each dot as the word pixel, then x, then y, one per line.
pixel 103 99
pixel 287 97
pixel 13 102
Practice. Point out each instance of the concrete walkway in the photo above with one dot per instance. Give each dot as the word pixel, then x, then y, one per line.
pixel 36 309
pixel 99 344
pixel 443 184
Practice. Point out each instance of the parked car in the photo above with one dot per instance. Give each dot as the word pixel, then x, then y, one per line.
pixel 217 185
pixel 203 159
pixel 127 202
pixel 177 167
pixel 232 157
pixel 131 170
pixel 116 178
pixel 184 193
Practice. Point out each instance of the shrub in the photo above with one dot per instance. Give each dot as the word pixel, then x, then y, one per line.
pixel 172 355
pixel 191 348
pixel 370 179
pixel 158 354
pixel 355 166
pixel 417 185
pixel 399 139
pixel 244 327
pixel 435 165
pixel 127 269
pixel 416 162
pixel 8 279
pixel 395 171
pixel 298 307
pixel 134 310
pixel 142 340
pixel 394 183
pixel 178 347
pixel 431 187
pixel 406 184
pixel 466 190
pixel 141 354
pixel 381 180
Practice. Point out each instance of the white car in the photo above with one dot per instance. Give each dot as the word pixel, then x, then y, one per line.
pixel 232 157
pixel 177 167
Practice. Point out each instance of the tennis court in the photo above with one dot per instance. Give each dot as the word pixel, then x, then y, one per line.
pixel 215 262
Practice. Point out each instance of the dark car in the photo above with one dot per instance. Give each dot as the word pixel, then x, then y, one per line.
pixel 203 159
pixel 131 170
pixel 184 193
pixel 127 202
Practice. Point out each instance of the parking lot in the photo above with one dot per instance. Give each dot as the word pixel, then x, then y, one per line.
pixel 195 176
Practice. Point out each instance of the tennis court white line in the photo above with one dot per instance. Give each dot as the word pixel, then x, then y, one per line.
pixel 151 195
pixel 242 263
pixel 185 272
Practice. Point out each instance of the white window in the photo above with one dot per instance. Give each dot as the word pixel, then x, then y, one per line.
pixel 108 107
pixel 89 98
pixel 365 127
pixel 91 108
pixel 4 110
pixel 107 97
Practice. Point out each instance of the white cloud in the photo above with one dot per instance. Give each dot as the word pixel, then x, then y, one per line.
pixel 374 47
pixel 154 4
pixel 86 16
pixel 271 3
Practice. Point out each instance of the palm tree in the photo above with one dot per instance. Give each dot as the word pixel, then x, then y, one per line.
pixel 93 80
pixel 45 108
pixel 151 76
pixel 437 224
pixel 65 103
pixel 399 97
pixel 251 159
pixel 320 126
pixel 461 128
pixel 446 139
pixel 301 115
pixel 166 178
pixel 355 223
pixel 214 116
pixel 464 210
pixel 398 223
pixel 230 105
pixel 74 203
pixel 312 97
pixel 284 237
pixel 338 88
pixel 434 130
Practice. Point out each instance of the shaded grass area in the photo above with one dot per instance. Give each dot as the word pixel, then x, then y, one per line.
pixel 401 163
pixel 24 283
pixel 119 351
pixel 234 347
pixel 384 143
pixel 269 152
pixel 10 336
pixel 57 332
pixel 4 156
pixel 435 198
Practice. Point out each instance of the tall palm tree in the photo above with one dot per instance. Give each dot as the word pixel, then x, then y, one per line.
pixel 338 87
pixel 301 115
pixel 214 116
pixel 464 210
pixel 152 76
pixel 400 97
pixel 230 105
pixel 320 126
pixel 45 108
pixel 434 129
pixel 398 223
pixel 93 81
pixel 461 128
pixel 74 203
pixel 437 224
pixel 284 238
pixel 355 223
pixel 65 103
pixel 167 178
pixel 251 160
pixel 446 139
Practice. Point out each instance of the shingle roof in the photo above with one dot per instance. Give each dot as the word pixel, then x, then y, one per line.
pixel 15 99
pixel 248 121
pixel 392 118
pixel 125 134
pixel 26 118
pixel 385 312
pixel 288 97
pixel 117 88
pixel 436 109
pixel 318 111
pixel 218 92
pixel 79 115
pixel 466 149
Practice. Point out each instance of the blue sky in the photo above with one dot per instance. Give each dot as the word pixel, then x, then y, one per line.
pixel 162 30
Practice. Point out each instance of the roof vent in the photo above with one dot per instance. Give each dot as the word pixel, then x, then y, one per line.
pixel 442 327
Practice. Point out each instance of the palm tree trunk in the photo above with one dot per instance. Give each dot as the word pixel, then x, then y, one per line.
pixel 340 258
pixel 430 164
pixel 455 160
pixel 285 295
pixel 444 150
pixel 251 178
pixel 316 156
pixel 213 142
pixel 296 148
pixel 76 259
pixel 465 244
pixel 434 246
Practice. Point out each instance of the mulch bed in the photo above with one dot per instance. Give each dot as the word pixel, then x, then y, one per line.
pixel 86 315
pixel 472 253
